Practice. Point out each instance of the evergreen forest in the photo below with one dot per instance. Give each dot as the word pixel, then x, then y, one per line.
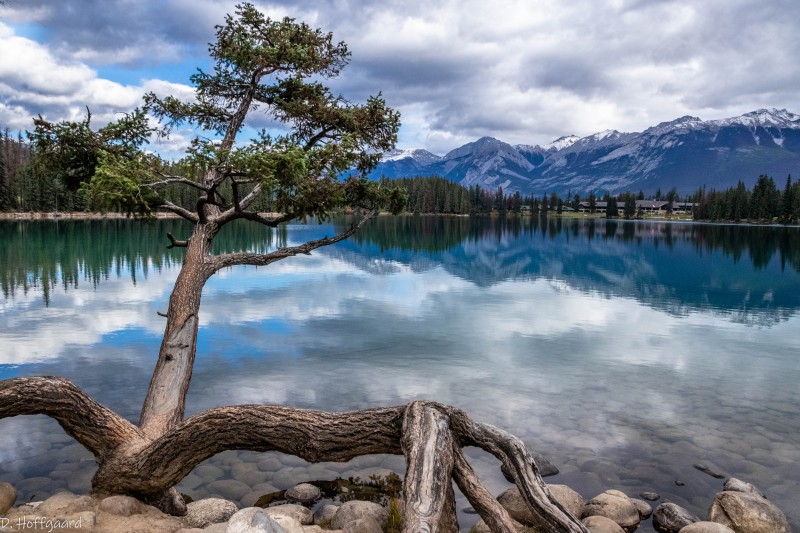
pixel 35 179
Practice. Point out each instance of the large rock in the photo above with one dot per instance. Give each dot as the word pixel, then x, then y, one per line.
pixel 513 502
pixel 645 511
pixel 302 514
pixel 737 485
pixel 670 518
pixel 202 513
pixel 303 493
pixel 363 525
pixel 517 509
pixel 121 505
pixel 353 510
pixel 289 524
pixel 253 520
pixel 481 527
pixel 747 512
pixel 8 495
pixel 567 497
pixel 601 524
pixel 324 515
pixel 615 505
pixel 706 527
pixel 57 503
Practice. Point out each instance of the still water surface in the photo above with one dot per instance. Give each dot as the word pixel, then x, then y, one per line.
pixel 624 352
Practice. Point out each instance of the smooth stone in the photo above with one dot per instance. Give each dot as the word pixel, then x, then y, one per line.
pixel 512 501
pixel 650 496
pixel 353 510
pixel 222 527
pixel 192 481
pixel 746 512
pixel 363 525
pixel 250 476
pixel 569 498
pixel 287 477
pixel 202 513
pixel 121 505
pixel 671 517
pixel 289 524
pixel 706 527
pixel 481 527
pixel 209 472
pixel 601 524
pixel 324 515
pixel 8 495
pixel 269 464
pixel 645 511
pixel 303 493
pixel 57 503
pixel 615 505
pixel 229 489
pixel 738 485
pixel 253 520
pixel 302 514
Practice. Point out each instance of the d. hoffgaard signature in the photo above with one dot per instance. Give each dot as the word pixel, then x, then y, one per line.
pixel 39 523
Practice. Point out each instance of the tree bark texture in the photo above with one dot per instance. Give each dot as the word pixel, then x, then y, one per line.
pixel 430 435
pixel 164 405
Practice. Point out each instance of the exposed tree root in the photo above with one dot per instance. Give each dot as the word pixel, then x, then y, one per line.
pixel 430 435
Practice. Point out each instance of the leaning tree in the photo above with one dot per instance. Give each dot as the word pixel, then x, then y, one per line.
pixel 274 67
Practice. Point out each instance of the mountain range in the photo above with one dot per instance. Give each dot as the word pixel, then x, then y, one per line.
pixel 686 153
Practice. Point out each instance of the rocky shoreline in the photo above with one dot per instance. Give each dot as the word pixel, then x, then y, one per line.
pixel 738 508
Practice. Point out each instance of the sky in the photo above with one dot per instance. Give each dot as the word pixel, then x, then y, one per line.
pixel 522 71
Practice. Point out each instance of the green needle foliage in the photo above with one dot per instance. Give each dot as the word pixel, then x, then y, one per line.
pixel 317 163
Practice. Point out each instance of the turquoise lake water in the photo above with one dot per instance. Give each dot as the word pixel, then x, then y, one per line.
pixel 625 352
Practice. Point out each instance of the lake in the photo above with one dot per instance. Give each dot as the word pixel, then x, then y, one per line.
pixel 625 352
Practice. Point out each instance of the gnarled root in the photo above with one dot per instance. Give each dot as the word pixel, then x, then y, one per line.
pixel 430 435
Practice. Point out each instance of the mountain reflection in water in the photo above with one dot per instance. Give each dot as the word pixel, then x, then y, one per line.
pixel 623 351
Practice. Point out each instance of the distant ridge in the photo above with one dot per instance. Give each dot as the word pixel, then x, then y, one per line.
pixel 686 153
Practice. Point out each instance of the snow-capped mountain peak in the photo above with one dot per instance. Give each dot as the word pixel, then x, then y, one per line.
pixel 419 155
pixel 685 153
pixel 562 142
pixel 776 118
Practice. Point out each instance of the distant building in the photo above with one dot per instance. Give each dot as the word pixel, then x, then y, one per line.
pixel 648 207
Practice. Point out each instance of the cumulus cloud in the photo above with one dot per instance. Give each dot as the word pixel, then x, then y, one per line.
pixel 523 72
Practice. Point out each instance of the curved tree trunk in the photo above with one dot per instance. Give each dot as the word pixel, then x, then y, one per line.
pixel 166 396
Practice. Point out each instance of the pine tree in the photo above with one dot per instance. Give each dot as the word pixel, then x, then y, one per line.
pixel 787 212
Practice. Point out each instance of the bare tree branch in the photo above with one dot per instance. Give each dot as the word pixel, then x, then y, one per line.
pixel 180 211
pixel 244 258
pixel 175 242
pixel 168 179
